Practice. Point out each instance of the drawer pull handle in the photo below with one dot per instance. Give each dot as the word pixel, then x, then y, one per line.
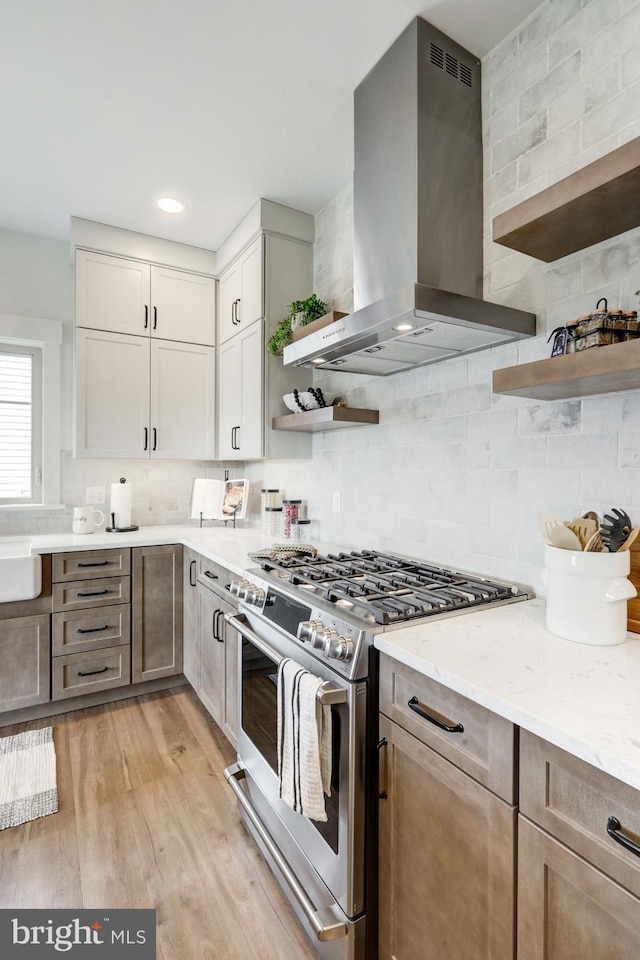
pixel 94 593
pixel 97 563
pixel 211 575
pixel 90 673
pixel 614 829
pixel 444 724
pixel 94 629
pixel 382 788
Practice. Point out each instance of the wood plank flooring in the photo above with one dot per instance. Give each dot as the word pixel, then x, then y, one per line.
pixel 146 819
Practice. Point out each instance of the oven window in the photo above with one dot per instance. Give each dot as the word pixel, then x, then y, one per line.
pixel 260 724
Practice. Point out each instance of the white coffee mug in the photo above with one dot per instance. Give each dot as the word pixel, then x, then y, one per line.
pixel 86 519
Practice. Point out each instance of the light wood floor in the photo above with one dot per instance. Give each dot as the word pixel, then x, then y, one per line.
pixel 146 819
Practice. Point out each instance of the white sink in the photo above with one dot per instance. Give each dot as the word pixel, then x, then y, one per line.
pixel 20 573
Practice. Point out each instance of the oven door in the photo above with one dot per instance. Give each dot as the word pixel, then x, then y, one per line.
pixel 334 849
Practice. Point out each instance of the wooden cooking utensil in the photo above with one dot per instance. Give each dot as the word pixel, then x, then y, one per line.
pixel 629 541
pixel 595 544
pixel 583 527
pixel 548 521
pixel 560 536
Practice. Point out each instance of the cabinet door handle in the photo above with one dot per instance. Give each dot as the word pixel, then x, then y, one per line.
pixel 91 673
pixel 233 313
pixel 382 788
pixel 155 317
pixel 234 437
pixel 192 573
pixel 94 629
pixel 441 722
pixel 238 318
pixel 219 636
pixel 155 439
pixel 94 593
pixel 614 829
pixel 146 316
pixel 146 438
pixel 215 625
pixel 96 563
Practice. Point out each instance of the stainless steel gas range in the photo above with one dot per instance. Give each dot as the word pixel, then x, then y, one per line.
pixel 323 612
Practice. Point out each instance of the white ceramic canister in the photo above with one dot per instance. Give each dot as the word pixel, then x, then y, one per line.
pixel 587 595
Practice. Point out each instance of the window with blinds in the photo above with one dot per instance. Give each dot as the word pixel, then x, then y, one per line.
pixel 20 424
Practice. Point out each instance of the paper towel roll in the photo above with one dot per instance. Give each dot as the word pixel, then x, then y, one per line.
pixel 121 504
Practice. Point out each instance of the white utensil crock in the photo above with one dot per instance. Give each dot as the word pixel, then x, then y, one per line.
pixel 587 595
pixel 84 519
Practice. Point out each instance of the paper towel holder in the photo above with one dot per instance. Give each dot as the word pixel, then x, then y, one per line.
pixel 115 529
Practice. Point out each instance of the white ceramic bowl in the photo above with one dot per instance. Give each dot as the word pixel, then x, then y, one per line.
pixel 307 400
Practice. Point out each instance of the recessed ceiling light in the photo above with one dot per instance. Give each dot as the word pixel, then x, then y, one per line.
pixel 168 205
pixel 319 360
pixel 403 327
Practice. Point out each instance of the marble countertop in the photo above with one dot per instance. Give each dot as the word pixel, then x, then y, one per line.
pixel 224 545
pixel 584 699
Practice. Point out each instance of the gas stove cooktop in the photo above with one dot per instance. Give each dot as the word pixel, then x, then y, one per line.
pixel 386 589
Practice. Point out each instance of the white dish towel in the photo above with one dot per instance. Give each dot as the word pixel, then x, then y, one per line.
pixel 304 741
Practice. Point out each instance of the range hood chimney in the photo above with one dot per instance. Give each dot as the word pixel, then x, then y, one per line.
pixel 417 218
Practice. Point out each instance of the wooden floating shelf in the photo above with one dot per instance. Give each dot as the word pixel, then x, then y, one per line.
pixel 318 324
pixel 596 370
pixel 326 418
pixel 598 202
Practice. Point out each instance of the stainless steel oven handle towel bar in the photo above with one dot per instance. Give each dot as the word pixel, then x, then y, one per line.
pixel 323 922
pixel 326 693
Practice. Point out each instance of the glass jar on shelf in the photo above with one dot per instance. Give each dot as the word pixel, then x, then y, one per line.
pixel 272 521
pixel 290 511
pixel 300 530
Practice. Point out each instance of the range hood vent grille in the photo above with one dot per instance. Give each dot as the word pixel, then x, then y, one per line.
pixel 454 67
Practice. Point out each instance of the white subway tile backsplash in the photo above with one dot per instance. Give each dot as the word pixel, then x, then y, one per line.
pixel 561 417
pixel 583 452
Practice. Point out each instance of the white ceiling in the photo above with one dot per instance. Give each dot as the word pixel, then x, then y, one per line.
pixel 107 105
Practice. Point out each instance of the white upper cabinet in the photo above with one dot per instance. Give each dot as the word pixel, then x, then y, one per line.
pixel 140 398
pixel 112 395
pixel 112 293
pixel 121 295
pixel 241 371
pixel 183 306
pixel 242 292
pixel 182 401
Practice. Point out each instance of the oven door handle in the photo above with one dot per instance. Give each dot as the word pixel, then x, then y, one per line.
pixel 324 923
pixel 326 693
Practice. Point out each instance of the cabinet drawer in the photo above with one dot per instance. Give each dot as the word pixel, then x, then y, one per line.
pixel 574 801
pixel 79 673
pixel 75 631
pixel 91 564
pixel 481 743
pixel 97 593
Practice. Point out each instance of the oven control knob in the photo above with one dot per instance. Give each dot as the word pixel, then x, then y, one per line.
pixel 255 596
pixel 238 588
pixel 307 629
pixel 338 648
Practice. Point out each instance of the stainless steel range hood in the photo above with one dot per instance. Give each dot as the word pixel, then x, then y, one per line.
pixel 417 218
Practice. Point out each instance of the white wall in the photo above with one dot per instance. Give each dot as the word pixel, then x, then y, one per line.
pixel 454 473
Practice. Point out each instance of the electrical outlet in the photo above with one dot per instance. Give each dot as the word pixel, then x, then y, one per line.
pixel 94 495
pixel 336 501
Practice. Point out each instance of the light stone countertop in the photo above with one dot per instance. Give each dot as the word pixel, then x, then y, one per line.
pixel 582 698
pixel 224 545
pixel 585 699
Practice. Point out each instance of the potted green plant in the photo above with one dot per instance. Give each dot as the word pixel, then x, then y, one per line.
pixel 301 312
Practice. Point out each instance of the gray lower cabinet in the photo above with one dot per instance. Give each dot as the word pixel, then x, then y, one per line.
pixel 156 633
pixel 191 618
pixel 216 648
pixel 447 843
pixel 78 673
pixel 578 859
pixel 25 657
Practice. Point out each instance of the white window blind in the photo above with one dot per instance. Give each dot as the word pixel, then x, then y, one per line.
pixel 20 419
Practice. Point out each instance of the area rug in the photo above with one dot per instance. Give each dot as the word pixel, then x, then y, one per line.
pixel 28 788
